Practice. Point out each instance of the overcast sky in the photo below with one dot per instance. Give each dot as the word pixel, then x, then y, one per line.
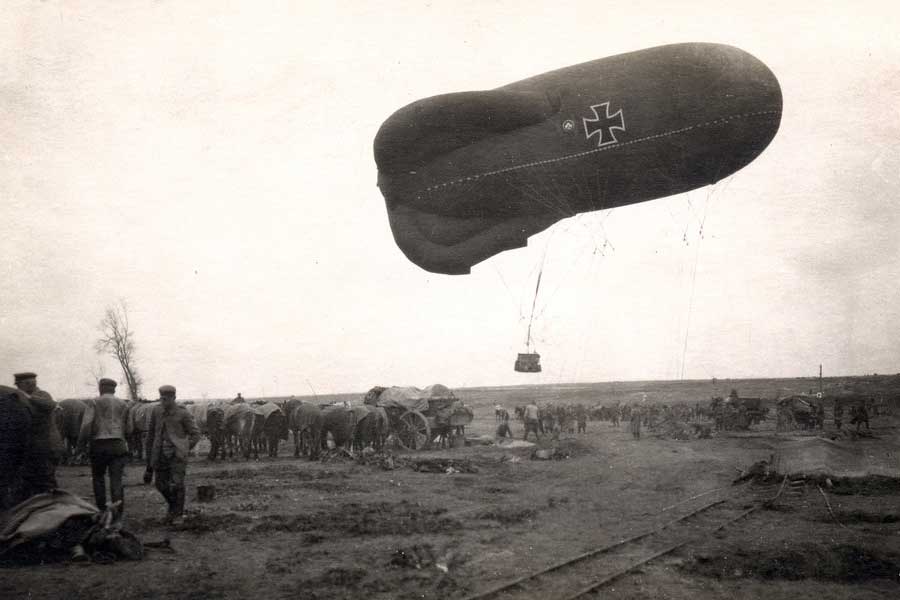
pixel 211 164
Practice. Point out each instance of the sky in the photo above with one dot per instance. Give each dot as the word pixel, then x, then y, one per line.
pixel 210 164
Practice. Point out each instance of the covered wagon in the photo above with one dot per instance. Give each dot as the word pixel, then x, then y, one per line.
pixel 422 418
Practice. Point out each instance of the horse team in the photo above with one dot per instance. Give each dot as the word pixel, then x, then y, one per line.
pixel 239 428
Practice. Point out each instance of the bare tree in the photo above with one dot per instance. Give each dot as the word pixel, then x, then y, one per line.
pixel 117 340
pixel 97 373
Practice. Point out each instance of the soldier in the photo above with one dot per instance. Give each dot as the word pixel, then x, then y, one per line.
pixel 532 420
pixel 635 423
pixel 39 467
pixel 173 434
pixel 503 430
pixel 838 414
pixel 859 416
pixel 105 427
pixel 15 431
pixel 581 416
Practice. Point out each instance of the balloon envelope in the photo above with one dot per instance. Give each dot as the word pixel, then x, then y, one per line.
pixel 468 175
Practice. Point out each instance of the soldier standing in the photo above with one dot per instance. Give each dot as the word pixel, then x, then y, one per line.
pixel 860 415
pixel 39 466
pixel 173 434
pixel 105 427
pixel 581 418
pixel 15 431
pixel 635 423
pixel 532 420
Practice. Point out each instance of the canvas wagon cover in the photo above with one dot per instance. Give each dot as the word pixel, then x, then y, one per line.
pixel 412 398
pixel 233 410
pixel 266 410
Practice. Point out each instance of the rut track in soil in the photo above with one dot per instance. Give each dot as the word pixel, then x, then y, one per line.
pixel 582 575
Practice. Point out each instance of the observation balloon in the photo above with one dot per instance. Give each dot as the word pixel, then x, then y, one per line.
pixel 467 175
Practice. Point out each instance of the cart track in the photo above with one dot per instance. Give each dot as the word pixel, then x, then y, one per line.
pixel 586 573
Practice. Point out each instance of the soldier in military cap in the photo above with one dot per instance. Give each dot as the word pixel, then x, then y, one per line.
pixel 39 466
pixel 15 434
pixel 173 433
pixel 105 427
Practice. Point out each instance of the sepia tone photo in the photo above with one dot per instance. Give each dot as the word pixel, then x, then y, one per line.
pixel 449 300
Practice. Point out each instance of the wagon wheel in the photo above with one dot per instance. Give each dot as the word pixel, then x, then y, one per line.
pixel 413 432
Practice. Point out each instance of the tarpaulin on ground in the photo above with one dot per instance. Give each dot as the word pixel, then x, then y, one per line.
pixel 412 398
pixel 820 456
pixel 40 516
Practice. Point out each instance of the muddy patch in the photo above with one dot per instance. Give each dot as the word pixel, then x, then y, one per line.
pixel 279 471
pixel 279 478
pixel 242 473
pixel 353 583
pixel 380 518
pixel 859 516
pixel 873 485
pixel 201 523
pixel 415 571
pixel 331 486
pixel 251 507
pixel 499 490
pixel 508 515
pixel 841 563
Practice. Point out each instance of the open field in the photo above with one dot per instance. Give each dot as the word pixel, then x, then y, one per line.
pixel 290 528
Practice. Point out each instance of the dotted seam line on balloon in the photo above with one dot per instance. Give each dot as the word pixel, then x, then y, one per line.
pixel 596 150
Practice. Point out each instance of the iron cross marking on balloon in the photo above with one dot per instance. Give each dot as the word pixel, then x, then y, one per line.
pixel 603 124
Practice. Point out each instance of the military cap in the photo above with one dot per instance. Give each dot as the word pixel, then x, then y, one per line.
pixel 106 382
pixel 24 376
pixel 167 390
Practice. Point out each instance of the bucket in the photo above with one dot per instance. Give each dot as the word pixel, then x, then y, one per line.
pixel 206 493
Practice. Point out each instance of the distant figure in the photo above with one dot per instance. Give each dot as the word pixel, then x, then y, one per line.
pixel 859 416
pixel 838 414
pixel 636 423
pixel 39 467
pixel 238 399
pixel 581 416
pixel 104 428
pixel 173 434
pixel 532 420
pixel 503 430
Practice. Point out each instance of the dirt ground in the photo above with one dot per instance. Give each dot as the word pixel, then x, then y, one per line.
pixel 290 528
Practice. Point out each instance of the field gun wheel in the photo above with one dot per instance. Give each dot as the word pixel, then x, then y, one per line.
pixel 414 432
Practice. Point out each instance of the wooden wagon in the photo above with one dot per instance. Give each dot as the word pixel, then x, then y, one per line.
pixel 422 419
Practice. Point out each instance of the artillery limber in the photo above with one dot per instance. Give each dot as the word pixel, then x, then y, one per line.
pixel 735 413
pixel 799 412
pixel 422 419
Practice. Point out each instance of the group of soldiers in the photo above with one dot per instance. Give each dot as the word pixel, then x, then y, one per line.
pixel 32 444
pixel 543 420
